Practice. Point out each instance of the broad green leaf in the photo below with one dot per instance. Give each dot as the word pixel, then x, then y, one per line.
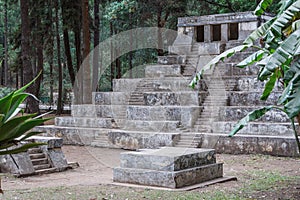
pixel 23 148
pixel 290 73
pixel 5 103
pixel 255 57
pixel 286 17
pixel 16 101
pixel 293 106
pixel 285 94
pixel 26 126
pixel 28 135
pixel 282 54
pixel 258 33
pixel 296 25
pixel 284 5
pixel 9 128
pixel 254 115
pixel 262 7
pixel 269 87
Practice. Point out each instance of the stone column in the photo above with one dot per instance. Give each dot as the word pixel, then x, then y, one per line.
pixel 224 32
pixel 207 33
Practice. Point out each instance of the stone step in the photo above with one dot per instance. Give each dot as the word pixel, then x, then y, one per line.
pixel 97 111
pixel 155 126
pixel 251 144
pixel 42 166
pixel 235 113
pixel 171 83
pixel 85 122
pixel 230 70
pixel 168 179
pixel 35 150
pixel 255 128
pixel 37 155
pixel 110 98
pixel 236 98
pixel 153 71
pixel 45 171
pixel 183 159
pixel 73 135
pixel 39 161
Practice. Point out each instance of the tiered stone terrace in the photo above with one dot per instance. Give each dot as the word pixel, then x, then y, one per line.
pixel 161 110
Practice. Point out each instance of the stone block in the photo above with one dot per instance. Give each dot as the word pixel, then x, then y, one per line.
pixel 18 164
pixel 152 71
pixel 251 144
pixel 52 142
pixel 168 167
pixel 58 159
pixel 126 85
pixel 171 59
pixel 168 158
pixel 255 128
pixel 71 135
pixel 168 179
pixel 110 98
pixel 209 48
pixel 251 98
pixel 235 113
pixel 84 122
pixel 154 126
pixel 140 140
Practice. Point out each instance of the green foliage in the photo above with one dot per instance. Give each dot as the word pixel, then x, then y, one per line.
pixel 278 60
pixel 14 130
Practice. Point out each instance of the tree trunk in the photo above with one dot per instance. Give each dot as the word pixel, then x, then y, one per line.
pixel 77 46
pixel 68 55
pixel 40 56
pixel 160 51
pixel 32 104
pixel 87 83
pixel 5 45
pixel 60 75
pixel 96 49
pixel 112 64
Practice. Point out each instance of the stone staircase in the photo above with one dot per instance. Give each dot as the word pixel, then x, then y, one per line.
pixel 40 161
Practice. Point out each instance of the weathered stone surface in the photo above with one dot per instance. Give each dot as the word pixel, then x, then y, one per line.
pixel 235 113
pixel 168 179
pixel 256 128
pixel 84 122
pixel 98 111
pixel 162 70
pixel 52 142
pixel 155 126
pixel 19 164
pixel 110 98
pixel 140 140
pixel 251 144
pixel 167 158
pixel 71 135
pixel 251 99
pixel 171 59
pixel 171 83
pixel 209 48
pixel 58 159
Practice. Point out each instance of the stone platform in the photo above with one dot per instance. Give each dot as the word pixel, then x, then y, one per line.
pixel 169 167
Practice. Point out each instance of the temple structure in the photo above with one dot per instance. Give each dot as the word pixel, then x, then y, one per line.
pixel 162 110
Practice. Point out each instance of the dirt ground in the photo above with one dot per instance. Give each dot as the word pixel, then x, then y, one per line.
pixel 96 169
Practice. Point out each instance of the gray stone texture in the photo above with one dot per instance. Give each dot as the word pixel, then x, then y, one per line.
pixel 168 167
pixel 168 159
